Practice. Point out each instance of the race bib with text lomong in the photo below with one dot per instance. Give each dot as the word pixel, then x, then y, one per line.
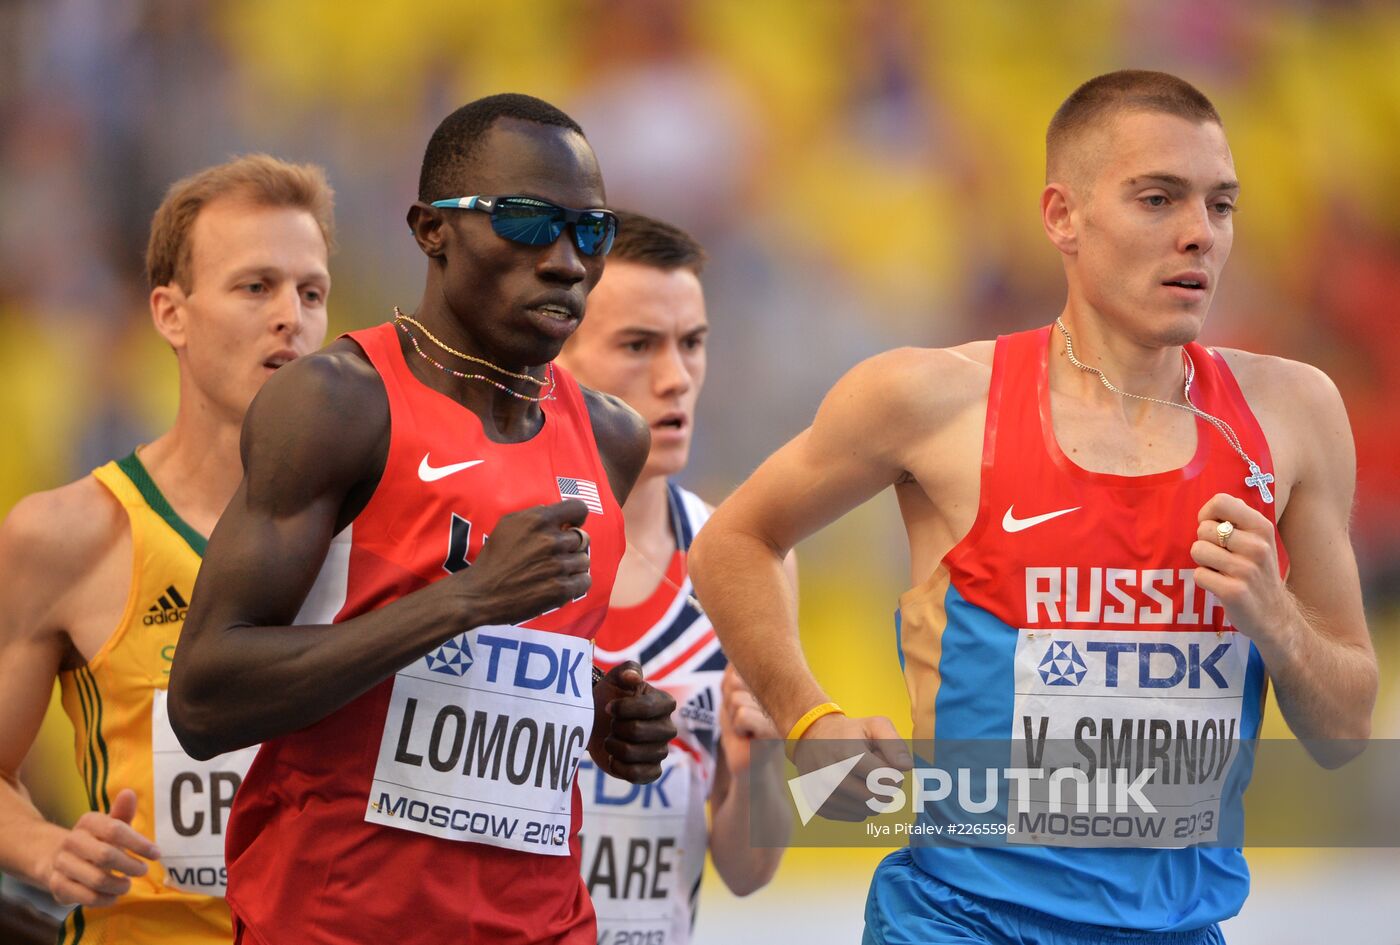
pixel 483 737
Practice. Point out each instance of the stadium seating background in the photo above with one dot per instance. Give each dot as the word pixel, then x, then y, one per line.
pixel 864 174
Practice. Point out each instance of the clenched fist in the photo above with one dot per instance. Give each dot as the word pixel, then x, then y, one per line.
pixel 632 727
pixel 537 560
pixel 835 738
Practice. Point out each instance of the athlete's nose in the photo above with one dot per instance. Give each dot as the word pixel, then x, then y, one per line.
pixel 287 315
pixel 562 262
pixel 670 375
pixel 1197 233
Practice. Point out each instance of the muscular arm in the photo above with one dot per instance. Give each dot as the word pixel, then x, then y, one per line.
pixel 314 446
pixel 1312 633
pixel 854 448
pixel 1327 682
pixel 745 868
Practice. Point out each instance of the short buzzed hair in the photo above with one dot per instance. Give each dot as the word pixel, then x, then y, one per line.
pixel 1090 106
pixel 258 178
pixel 649 242
pixel 458 136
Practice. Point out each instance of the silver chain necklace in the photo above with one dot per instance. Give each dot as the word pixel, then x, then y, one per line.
pixel 1255 480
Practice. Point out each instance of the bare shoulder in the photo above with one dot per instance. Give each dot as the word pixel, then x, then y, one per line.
pixel 65 528
pixel 1273 379
pixel 622 437
pixel 51 540
pixel 338 379
pixel 1302 415
pixel 1290 395
pixel 921 385
pixel 322 418
pixel 611 415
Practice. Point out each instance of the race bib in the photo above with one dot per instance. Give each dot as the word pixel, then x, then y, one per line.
pixel 1116 717
pixel 483 737
pixel 634 852
pixel 192 801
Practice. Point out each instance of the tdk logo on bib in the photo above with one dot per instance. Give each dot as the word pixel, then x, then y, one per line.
pixel 1161 665
pixel 1138 665
pixel 453 658
pixel 1062 665
pixel 532 666
pixel 481 740
pixel 1128 705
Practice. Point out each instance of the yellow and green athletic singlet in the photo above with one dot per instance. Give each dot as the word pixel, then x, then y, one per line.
pixel 118 706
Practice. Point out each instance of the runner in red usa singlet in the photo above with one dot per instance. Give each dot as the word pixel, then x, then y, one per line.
pixel 398 602
pixel 452 783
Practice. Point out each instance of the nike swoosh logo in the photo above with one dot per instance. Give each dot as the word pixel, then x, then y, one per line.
pixel 430 473
pixel 1013 524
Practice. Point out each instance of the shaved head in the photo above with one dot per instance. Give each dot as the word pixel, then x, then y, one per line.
pixel 1074 138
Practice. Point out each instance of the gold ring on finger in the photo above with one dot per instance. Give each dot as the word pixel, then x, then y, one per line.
pixel 1223 531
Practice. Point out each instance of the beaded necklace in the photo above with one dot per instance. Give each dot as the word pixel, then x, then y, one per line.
pixel 402 321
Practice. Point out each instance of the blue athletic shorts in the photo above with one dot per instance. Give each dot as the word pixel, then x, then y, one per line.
pixel 906 906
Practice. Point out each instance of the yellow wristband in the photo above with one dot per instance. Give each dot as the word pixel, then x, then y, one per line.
pixel 800 727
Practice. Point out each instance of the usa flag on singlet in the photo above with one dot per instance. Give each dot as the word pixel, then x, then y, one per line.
pixel 581 489
pixel 441 805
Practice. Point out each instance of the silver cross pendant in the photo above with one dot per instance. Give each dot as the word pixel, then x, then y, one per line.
pixel 1260 480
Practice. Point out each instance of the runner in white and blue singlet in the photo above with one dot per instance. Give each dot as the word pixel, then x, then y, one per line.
pixel 644 845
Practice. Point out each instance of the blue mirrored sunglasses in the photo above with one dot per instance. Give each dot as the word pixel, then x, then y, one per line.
pixel 535 222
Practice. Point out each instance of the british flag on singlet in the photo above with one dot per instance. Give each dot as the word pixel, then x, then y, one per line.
pixel 644 845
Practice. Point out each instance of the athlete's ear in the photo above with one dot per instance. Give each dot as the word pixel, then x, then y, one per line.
pixel 168 313
pixel 426 223
pixel 1055 203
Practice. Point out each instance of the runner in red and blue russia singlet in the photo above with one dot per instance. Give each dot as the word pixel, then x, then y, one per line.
pixel 1070 611
pixel 442 802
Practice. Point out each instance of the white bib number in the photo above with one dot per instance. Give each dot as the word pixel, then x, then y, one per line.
pixel 192 801
pixel 634 853
pixel 1098 710
pixel 483 737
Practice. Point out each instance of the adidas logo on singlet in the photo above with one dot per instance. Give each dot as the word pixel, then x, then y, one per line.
pixel 700 713
pixel 170 607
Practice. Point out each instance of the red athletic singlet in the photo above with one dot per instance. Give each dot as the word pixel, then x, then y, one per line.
pixel 440 806
pixel 1070 615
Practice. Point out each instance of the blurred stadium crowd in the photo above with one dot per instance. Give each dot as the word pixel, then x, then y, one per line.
pixel 864 175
